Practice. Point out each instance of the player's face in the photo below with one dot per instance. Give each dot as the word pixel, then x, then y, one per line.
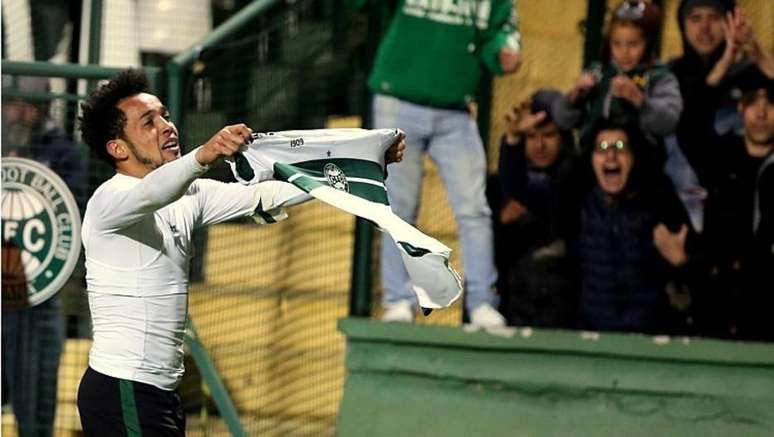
pixel 627 46
pixel 543 144
pixel 704 29
pixel 612 161
pixel 758 117
pixel 151 137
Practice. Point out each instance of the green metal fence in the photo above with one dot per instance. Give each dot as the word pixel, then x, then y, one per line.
pixel 265 300
pixel 45 348
pixel 26 90
pixel 273 66
pixel 264 356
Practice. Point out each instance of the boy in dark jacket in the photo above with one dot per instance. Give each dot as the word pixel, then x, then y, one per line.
pixel 737 244
pixel 536 160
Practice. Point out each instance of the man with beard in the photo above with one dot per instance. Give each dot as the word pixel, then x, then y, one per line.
pixel 33 336
pixel 137 240
pixel 29 132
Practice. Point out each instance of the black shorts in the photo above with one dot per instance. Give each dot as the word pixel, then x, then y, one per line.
pixel 117 407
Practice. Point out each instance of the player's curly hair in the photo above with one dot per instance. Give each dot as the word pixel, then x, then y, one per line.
pixel 101 120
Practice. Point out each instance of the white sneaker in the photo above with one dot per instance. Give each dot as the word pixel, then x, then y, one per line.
pixel 400 311
pixel 485 316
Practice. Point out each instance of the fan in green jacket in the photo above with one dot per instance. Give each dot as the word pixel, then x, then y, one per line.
pixel 427 70
pixel 433 51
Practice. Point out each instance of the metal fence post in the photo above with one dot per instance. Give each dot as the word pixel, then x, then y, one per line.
pixel 595 19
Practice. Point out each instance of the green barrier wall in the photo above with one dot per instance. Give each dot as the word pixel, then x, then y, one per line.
pixel 413 380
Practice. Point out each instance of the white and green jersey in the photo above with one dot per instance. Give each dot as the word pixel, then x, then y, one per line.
pixel 345 168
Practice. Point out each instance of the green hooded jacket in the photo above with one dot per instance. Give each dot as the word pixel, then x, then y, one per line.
pixel 433 51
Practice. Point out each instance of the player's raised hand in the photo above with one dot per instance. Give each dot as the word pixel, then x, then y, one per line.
pixel 396 150
pixel 226 142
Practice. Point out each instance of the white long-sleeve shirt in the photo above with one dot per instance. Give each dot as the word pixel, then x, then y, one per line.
pixel 137 241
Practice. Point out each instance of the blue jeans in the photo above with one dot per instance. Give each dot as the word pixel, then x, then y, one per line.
pixel 33 339
pixel 452 140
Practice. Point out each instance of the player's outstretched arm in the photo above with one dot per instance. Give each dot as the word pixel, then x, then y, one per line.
pixel 121 207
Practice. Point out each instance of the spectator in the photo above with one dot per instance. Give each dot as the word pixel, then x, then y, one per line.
pixel 719 46
pixel 536 159
pixel 631 236
pixel 629 86
pixel 426 73
pixel 29 132
pixel 737 298
pixel 33 337
pixel 763 228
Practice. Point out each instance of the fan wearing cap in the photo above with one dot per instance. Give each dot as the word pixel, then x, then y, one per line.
pixel 629 85
pixel 737 240
pixel 536 161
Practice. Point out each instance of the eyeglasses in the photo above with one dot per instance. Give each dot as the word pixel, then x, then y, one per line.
pixel 631 10
pixel 604 146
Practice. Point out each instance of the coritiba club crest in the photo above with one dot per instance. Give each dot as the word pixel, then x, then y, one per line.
pixel 41 232
pixel 336 178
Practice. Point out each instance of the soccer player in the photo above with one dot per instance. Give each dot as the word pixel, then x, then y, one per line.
pixel 137 239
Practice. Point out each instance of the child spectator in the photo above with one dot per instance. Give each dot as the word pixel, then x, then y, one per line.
pixel 628 86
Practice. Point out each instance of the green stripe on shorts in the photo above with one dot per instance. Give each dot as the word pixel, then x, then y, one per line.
pixel 129 409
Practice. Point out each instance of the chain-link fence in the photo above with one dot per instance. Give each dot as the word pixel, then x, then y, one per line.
pixel 45 346
pixel 266 299
pixel 265 311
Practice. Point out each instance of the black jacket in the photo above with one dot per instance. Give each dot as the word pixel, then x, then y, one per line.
pixel 535 290
pixel 623 276
pixel 737 296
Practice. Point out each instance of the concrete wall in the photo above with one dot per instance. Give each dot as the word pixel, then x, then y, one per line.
pixel 440 381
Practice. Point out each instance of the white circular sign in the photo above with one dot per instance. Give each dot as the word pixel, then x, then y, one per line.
pixel 41 231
